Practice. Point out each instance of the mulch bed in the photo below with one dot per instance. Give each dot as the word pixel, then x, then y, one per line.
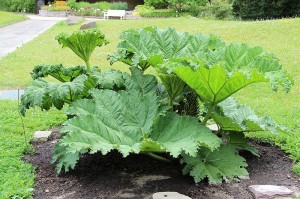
pixel 138 176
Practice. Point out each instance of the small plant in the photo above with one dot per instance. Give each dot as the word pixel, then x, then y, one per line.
pixel 137 113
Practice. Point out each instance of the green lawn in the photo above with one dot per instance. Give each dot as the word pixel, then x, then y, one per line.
pixel 277 36
pixel 9 18
pixel 17 177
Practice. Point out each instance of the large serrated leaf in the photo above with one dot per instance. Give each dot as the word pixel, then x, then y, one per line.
pixel 183 134
pixel 58 72
pixel 45 94
pixel 242 56
pixel 150 46
pixel 83 42
pixel 236 117
pixel 140 82
pixel 239 141
pixel 219 165
pixel 35 95
pixel 214 85
pixel 109 79
pixel 109 121
pixel 67 90
pixel 173 85
pixel 128 122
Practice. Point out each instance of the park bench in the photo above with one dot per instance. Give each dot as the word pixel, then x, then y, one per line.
pixel 115 13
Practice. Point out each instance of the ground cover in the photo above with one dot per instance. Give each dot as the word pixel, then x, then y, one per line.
pixel 284 108
pixel 9 18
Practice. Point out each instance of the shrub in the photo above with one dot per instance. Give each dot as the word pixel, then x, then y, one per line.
pixel 161 13
pixel 56 8
pixel 266 9
pixel 71 3
pixel 17 5
pixel 101 5
pixel 119 6
pixel 158 4
pixel 144 8
pixel 218 9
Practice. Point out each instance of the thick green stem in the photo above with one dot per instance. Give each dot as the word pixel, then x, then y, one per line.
pixel 88 67
pixel 171 102
pixel 157 157
pixel 208 114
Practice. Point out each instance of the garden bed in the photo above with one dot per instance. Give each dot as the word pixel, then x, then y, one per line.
pixel 138 176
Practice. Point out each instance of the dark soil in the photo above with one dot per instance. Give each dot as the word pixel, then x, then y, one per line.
pixel 138 176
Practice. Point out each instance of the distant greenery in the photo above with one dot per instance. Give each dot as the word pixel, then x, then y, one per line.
pixel 17 5
pixel 17 177
pixel 9 18
pixel 217 9
pixel 161 13
pixel 266 9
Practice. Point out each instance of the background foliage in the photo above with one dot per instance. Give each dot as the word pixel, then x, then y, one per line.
pixel 261 9
pixel 17 5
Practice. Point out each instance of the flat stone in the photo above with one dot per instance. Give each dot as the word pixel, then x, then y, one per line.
pixel 170 195
pixel 88 25
pixel 41 136
pixel 270 191
pixel 73 20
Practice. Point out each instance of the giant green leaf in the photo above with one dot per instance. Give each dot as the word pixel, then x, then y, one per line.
pixel 173 85
pixel 218 165
pixel 183 134
pixel 238 140
pixel 244 57
pixel 35 95
pixel 109 121
pixel 139 81
pixel 236 117
pixel 109 79
pixel 59 72
pixel 214 84
pixel 46 94
pixel 150 46
pixel 129 122
pixel 83 43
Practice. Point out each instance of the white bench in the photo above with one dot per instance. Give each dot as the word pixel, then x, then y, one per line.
pixel 115 13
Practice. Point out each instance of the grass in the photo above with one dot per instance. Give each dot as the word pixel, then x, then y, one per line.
pixel 7 18
pixel 277 36
pixel 17 177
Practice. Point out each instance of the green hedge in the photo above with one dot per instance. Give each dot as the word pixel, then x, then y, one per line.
pixel 266 9
pixel 17 5
pixel 162 13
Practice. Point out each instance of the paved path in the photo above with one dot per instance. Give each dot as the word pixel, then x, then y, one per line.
pixel 15 35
